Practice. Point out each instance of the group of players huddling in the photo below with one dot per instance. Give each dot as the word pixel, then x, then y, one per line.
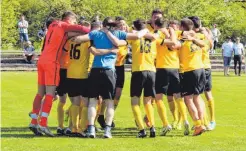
pixel 86 61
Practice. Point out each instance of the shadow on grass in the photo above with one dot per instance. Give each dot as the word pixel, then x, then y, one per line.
pixel 130 132
pixel 19 129
pixel 17 135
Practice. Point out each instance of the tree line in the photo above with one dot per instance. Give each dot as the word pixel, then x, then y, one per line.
pixel 230 16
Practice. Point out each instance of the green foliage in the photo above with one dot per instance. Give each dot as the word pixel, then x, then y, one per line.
pixel 229 16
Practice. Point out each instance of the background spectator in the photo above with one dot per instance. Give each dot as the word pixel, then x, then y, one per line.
pixel 41 33
pixel 29 53
pixel 23 31
pixel 238 49
pixel 216 33
pixel 227 51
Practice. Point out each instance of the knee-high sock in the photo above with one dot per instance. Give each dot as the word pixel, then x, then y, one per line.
pixel 109 112
pixel 80 114
pixel 182 108
pixel 174 110
pixel 75 117
pixel 162 111
pixel 84 118
pixel 211 109
pixel 150 114
pixel 36 108
pixel 138 116
pixel 205 118
pixel 60 114
pixel 92 111
pixel 47 105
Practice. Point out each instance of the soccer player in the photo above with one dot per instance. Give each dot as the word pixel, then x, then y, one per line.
pixel 62 87
pixel 77 82
pixel 208 77
pixel 193 80
pixel 48 70
pixel 176 107
pixel 143 78
pixel 206 34
pixel 102 77
pixel 156 13
pixel 120 72
pixel 119 64
pixel 167 79
pixel 62 92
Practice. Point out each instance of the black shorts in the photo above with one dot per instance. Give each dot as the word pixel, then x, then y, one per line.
pixel 62 87
pixel 29 58
pixel 193 82
pixel 101 82
pixel 143 80
pixel 208 79
pixel 120 76
pixel 167 81
pixel 77 87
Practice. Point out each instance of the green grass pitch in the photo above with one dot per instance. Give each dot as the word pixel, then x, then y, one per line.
pixel 19 88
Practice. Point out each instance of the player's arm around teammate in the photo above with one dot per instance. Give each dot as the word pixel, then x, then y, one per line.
pixel 143 78
pixel 193 75
pixel 167 75
pixel 48 71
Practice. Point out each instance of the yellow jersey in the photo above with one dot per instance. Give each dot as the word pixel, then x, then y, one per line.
pixel 190 57
pixel 79 57
pixel 166 58
pixel 121 56
pixel 143 54
pixel 178 34
pixel 150 28
pixel 205 55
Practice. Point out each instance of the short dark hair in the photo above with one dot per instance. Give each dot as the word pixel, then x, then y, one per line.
pixel 187 24
pixel 95 23
pixel 68 14
pixel 196 20
pixel 119 18
pixel 106 21
pixel 157 11
pixel 49 21
pixel 160 22
pixel 139 24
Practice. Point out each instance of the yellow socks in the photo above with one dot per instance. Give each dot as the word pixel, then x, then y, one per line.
pixel 84 118
pixel 174 110
pixel 162 111
pixel 150 114
pixel 205 118
pixel 181 108
pixel 197 123
pixel 211 109
pixel 60 114
pixel 138 116
pixel 75 117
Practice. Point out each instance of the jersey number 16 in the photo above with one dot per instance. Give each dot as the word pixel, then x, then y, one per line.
pixel 75 52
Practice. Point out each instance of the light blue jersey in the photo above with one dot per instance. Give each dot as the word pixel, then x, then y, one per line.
pixel 101 41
